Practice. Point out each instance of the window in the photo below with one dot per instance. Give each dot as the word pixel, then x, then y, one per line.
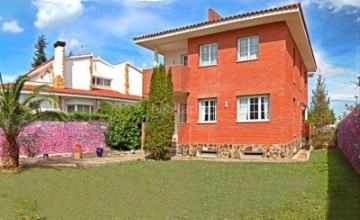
pixel 80 108
pixel 248 48
pixel 207 110
pixel 97 81
pixel 254 108
pixel 183 113
pixel 184 60
pixel 208 54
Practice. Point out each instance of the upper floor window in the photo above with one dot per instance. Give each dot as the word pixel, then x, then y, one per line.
pixel 97 81
pixel 253 108
pixel 184 60
pixel 80 108
pixel 207 110
pixel 248 48
pixel 208 54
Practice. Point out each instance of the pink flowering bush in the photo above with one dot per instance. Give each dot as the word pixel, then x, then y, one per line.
pixel 60 137
pixel 348 138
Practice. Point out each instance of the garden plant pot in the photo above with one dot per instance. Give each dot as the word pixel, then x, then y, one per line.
pixel 77 152
pixel 99 152
pixel 46 157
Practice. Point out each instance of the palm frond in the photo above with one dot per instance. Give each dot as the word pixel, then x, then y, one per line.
pixel 52 115
pixel 18 86
pixel 36 92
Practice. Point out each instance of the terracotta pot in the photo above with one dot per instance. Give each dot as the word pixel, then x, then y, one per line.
pixel 77 152
pixel 46 157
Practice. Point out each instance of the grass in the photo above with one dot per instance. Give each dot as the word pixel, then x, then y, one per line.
pixel 326 187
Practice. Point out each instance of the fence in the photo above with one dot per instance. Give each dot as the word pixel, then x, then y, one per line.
pixel 60 137
pixel 348 137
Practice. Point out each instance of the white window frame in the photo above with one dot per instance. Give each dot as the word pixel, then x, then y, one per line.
pixel 208 55
pixel 248 49
pixel 206 110
pixel 259 111
pixel 183 113
pixel 77 106
pixel 102 81
pixel 184 60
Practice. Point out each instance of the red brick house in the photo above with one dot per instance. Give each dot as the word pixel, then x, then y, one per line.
pixel 240 82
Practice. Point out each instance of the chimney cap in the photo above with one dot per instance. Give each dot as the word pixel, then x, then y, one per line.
pixel 59 43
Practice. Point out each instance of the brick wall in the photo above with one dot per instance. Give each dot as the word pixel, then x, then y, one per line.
pixel 272 73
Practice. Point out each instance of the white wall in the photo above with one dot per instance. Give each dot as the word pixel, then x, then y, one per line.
pixel 135 81
pixel 77 73
pixel 173 58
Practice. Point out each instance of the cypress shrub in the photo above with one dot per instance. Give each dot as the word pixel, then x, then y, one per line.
pixel 160 116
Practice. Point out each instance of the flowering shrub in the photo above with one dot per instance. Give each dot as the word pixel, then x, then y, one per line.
pixel 60 137
pixel 348 137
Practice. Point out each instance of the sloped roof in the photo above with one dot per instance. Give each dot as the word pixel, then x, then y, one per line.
pixel 105 93
pixel 248 14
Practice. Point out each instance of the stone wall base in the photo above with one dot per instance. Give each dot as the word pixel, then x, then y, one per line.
pixel 237 150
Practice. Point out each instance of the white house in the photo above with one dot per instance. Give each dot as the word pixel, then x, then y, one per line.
pixel 81 81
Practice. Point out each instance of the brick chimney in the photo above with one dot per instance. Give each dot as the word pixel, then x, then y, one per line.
pixel 59 64
pixel 213 15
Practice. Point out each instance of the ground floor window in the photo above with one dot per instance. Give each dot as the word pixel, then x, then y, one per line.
pixel 183 113
pixel 253 108
pixel 207 110
pixel 80 108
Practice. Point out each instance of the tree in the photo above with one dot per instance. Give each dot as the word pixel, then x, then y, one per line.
pixel 40 56
pixel 160 118
pixel 320 115
pixel 16 113
pixel 348 110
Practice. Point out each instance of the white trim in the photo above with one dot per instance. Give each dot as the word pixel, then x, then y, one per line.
pixel 83 96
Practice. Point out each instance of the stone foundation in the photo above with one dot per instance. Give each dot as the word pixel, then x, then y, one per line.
pixel 236 151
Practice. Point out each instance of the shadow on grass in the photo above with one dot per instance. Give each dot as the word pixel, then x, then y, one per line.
pixel 343 187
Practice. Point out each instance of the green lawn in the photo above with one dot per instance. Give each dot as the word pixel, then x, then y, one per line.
pixel 326 187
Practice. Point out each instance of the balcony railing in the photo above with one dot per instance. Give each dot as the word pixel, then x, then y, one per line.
pixel 180 78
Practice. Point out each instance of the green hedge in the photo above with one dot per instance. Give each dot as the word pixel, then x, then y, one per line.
pixel 84 116
pixel 124 130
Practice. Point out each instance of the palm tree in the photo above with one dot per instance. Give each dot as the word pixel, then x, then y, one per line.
pixel 15 114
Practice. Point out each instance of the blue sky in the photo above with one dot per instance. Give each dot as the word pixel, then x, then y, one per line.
pixel 106 28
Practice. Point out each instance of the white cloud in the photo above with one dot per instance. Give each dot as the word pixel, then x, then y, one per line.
pixel 334 5
pixel 132 21
pixel 145 3
pixel 72 43
pixel 55 12
pixel 327 68
pixel 12 27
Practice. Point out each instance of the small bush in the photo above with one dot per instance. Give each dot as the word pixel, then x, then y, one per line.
pixel 124 130
pixel 84 116
pixel 323 138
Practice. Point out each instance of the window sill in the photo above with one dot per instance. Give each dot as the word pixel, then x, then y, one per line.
pixel 252 121
pixel 206 122
pixel 208 66
pixel 101 87
pixel 242 61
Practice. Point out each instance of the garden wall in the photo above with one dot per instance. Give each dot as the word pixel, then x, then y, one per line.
pixel 60 137
pixel 348 138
